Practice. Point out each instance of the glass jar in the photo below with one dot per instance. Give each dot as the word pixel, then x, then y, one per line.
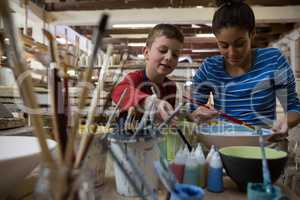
pixel 61 183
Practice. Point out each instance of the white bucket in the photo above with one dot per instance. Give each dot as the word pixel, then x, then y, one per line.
pixel 143 153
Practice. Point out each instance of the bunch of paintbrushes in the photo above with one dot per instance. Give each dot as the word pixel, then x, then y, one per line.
pixel 65 128
pixel 68 161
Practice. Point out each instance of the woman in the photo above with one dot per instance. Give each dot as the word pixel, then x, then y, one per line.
pixel 246 81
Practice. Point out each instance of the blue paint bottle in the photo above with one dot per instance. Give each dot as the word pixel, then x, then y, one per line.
pixel 215 174
pixel 207 161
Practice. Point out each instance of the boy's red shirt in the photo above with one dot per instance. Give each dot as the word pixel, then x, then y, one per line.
pixel 139 87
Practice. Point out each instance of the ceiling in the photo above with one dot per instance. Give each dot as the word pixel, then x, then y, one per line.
pixel 197 47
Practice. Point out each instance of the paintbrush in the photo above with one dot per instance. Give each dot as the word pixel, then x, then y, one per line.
pixel 153 108
pixel 85 143
pixel 65 116
pixel 55 89
pixel 189 146
pixel 143 121
pixel 167 178
pixel 116 80
pixel 84 91
pixel 228 117
pixel 25 86
pixel 265 169
pixel 108 96
pixel 173 114
pixel 177 129
pixel 99 89
pixel 102 76
pixel 137 172
pixel 76 52
pixel 111 117
pixel 87 137
pixel 126 173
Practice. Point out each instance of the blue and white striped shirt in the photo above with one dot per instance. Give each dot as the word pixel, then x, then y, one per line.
pixel 252 96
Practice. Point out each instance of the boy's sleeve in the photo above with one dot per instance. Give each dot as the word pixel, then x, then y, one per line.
pixel 285 85
pixel 133 97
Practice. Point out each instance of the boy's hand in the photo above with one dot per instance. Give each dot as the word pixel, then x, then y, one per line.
pixel 202 114
pixel 163 109
pixel 280 130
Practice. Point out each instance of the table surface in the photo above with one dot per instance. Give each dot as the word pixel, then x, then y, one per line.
pixel 108 191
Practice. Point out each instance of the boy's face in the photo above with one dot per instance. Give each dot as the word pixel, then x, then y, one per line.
pixel 162 56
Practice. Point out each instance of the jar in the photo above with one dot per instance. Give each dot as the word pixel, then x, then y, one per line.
pixel 61 183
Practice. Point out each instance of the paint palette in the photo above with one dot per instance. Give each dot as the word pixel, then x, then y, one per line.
pixel 227 134
pixel 228 129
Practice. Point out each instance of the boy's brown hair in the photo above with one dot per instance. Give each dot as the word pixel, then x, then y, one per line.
pixel 168 30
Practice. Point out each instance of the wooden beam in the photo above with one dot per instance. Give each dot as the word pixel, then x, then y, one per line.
pixel 38 11
pixel 187 31
pixel 116 4
pixel 273 2
pixel 187 40
pixel 52 1
pixel 172 15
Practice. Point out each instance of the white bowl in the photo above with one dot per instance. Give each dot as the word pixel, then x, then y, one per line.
pixel 19 155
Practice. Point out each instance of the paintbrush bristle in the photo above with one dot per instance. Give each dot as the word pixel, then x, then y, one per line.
pixel 103 23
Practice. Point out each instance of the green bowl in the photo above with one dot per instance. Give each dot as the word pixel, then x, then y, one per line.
pixel 243 164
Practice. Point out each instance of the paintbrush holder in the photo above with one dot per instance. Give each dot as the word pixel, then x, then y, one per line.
pixel 142 149
pixel 257 191
pixel 60 183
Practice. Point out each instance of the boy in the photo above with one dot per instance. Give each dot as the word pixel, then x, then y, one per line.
pixel 161 55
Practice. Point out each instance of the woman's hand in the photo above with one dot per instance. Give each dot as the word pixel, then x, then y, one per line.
pixel 280 130
pixel 203 114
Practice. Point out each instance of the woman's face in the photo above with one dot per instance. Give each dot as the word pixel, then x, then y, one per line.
pixel 235 45
pixel 162 56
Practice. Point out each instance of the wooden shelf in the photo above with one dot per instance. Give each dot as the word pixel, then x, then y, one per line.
pixel 142 66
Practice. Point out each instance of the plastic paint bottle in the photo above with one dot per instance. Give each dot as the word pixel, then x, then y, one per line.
pixel 178 165
pixel 215 174
pixel 201 164
pixel 208 158
pixel 191 170
pixel 210 153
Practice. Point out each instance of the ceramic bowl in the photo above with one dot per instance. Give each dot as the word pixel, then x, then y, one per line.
pixel 19 155
pixel 243 164
pixel 228 135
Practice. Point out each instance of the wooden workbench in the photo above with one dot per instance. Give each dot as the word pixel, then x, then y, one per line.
pixel 108 191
